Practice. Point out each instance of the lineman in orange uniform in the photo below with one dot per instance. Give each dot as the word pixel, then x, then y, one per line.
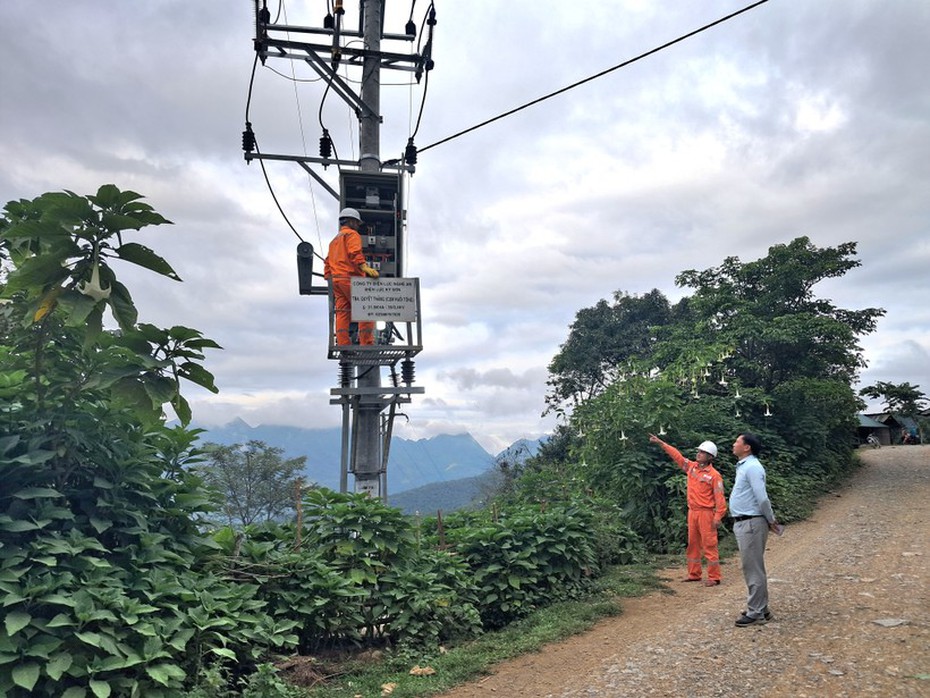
pixel 706 508
pixel 345 260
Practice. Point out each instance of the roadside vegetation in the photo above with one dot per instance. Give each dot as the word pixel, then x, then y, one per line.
pixel 130 564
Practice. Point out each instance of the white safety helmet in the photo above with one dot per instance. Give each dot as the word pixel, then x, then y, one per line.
pixel 708 447
pixel 350 213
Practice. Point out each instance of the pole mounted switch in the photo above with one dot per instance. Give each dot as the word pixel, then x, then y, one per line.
pixel 305 268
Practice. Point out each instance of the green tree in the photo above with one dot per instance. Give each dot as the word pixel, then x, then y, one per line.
pixel 752 349
pixel 601 340
pixel 766 311
pixel 255 482
pixel 902 398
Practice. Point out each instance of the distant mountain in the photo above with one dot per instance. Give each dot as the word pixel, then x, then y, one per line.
pixel 411 463
pixel 460 494
pixel 519 451
pixel 445 496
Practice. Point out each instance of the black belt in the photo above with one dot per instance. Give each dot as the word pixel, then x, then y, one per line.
pixel 744 518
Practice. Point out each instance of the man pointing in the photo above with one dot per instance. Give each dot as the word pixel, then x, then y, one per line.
pixel 706 508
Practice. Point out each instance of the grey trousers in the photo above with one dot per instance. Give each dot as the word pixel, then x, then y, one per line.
pixel 751 536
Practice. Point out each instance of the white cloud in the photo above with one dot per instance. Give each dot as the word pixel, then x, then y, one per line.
pixel 793 119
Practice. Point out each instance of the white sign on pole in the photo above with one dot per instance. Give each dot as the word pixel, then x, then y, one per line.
pixel 387 300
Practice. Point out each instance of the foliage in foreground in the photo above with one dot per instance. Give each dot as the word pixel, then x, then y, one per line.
pixel 110 587
pixel 104 572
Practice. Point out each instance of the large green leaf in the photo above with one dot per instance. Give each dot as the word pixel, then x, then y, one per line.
pixel 115 222
pixel 19 526
pixel 37 273
pixel 76 307
pixel 58 665
pixel 182 409
pixel 145 257
pixel 124 310
pixel 164 673
pixel 16 621
pixel 109 196
pixel 35 492
pixel 101 689
pixel 26 675
pixel 32 229
pixel 197 374
pixel 90 638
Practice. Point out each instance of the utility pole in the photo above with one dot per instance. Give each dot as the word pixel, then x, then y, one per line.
pixel 368 463
pixel 374 188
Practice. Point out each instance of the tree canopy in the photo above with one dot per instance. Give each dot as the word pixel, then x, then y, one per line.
pixel 904 398
pixel 600 341
pixel 751 349
pixel 256 484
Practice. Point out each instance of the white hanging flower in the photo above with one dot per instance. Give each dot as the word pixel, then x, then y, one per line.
pixel 93 288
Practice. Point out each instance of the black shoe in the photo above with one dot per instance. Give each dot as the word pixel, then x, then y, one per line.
pixel 767 615
pixel 745 620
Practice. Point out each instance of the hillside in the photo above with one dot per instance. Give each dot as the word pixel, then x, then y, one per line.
pixel 445 496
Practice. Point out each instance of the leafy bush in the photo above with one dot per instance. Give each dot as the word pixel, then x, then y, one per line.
pixel 357 577
pixel 524 556
pixel 102 564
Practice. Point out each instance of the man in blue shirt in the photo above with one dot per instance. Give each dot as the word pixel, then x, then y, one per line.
pixel 753 518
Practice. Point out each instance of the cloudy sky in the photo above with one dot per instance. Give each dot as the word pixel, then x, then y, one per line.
pixel 796 118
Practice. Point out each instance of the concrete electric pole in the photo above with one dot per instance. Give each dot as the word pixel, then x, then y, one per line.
pixel 374 188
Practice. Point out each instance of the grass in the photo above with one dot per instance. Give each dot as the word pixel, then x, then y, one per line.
pixel 471 660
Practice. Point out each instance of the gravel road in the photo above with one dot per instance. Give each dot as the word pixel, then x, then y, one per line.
pixel 850 594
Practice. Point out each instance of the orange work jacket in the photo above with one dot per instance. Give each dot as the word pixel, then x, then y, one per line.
pixel 705 485
pixel 345 256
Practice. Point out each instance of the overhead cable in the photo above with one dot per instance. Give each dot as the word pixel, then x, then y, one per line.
pixel 595 76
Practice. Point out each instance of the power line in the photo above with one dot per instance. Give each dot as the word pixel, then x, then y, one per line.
pixel 596 75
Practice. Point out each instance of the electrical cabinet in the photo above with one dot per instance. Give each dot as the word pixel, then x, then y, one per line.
pixel 378 197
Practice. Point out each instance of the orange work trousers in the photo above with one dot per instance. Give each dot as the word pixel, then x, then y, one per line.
pixel 342 300
pixel 702 541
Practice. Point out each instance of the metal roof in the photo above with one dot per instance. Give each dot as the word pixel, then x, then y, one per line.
pixel 865 421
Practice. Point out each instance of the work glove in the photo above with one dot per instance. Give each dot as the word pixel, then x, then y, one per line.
pixel 368 271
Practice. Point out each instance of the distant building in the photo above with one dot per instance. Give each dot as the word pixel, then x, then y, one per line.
pixel 896 424
pixel 869 426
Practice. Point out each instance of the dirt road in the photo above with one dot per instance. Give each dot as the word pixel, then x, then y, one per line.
pixel 849 589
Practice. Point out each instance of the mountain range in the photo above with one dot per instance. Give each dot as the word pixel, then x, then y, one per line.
pixel 419 471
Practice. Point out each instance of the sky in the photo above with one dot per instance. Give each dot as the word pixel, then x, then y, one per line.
pixel 795 118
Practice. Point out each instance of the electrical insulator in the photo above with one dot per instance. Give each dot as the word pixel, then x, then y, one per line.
pixel 406 371
pixel 248 138
pixel 345 374
pixel 410 153
pixel 328 21
pixel 326 145
pixel 411 28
